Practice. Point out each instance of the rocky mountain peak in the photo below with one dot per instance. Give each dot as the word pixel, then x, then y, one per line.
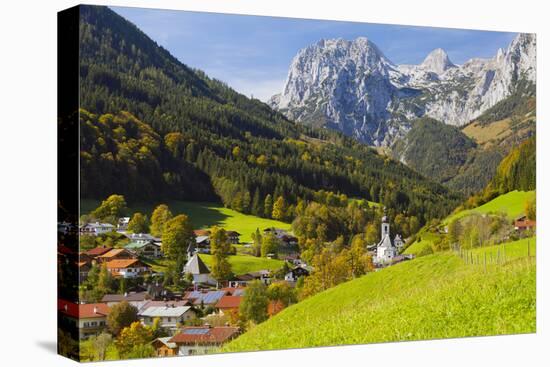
pixel 352 87
pixel 437 61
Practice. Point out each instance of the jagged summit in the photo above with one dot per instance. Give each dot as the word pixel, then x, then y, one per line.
pixel 437 61
pixel 350 86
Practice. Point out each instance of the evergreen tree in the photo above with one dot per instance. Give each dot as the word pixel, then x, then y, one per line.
pixel 256 208
pixel 268 206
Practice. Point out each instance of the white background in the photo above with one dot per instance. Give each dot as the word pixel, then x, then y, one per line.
pixel 28 181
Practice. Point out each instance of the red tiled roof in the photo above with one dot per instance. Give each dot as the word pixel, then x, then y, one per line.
pixel 97 251
pixel 227 302
pixel 201 232
pixel 124 263
pixel 115 252
pixel 89 310
pixel 205 335
pixel 525 223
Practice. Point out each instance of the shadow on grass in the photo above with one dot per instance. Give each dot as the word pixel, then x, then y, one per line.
pixel 202 214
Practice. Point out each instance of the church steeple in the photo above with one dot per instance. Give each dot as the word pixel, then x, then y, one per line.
pixel 385 226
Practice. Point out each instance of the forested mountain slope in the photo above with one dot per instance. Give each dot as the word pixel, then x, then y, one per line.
pixel 176 132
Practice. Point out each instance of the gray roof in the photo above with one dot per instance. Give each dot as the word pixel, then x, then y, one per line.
pixel 385 242
pixel 136 245
pixel 131 297
pixel 196 266
pixel 208 298
pixel 201 239
pixel 140 236
pixel 164 311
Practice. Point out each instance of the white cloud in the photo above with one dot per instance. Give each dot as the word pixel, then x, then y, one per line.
pixel 259 88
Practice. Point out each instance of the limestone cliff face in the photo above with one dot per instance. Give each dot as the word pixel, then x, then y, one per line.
pixel 352 87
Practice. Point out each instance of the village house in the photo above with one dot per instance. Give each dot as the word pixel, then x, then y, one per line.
pixel 171 315
pixel 116 254
pixel 294 274
pixel 136 299
pixel 233 237
pixel 96 229
pixel 262 275
pixel 90 319
pixel 523 224
pixel 193 340
pixel 149 249
pixel 204 297
pixel 165 348
pixel 122 225
pixel 141 238
pixel 127 268
pixel 234 291
pixel 97 251
pixel 201 232
pixel 198 269
pixel 228 305
pixel 202 244
pixel 84 268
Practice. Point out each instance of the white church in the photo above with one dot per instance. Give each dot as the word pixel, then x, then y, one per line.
pixel 387 249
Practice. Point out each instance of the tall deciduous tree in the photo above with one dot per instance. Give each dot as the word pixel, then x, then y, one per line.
pixel 111 208
pixel 139 223
pixel 220 248
pixel 270 244
pixel 279 209
pixel 122 315
pixel 134 340
pixel 257 245
pixel 255 301
pixel 176 236
pixel 160 216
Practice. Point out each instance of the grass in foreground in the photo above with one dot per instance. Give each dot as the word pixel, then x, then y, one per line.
pixel 205 215
pixel 242 264
pixel 436 296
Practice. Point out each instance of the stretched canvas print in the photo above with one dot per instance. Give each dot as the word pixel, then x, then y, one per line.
pixel 239 183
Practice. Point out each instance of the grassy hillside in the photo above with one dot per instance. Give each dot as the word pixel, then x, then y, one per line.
pixel 511 203
pixel 242 264
pixel 512 250
pixel 436 296
pixel 205 215
pixel 424 246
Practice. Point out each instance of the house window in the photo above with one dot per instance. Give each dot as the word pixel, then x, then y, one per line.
pixel 169 319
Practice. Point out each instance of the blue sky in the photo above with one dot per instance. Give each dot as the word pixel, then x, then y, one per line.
pixel 252 54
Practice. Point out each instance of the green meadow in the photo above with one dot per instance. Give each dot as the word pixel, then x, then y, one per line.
pixel 205 215
pixel 511 203
pixel 432 297
pixel 242 264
